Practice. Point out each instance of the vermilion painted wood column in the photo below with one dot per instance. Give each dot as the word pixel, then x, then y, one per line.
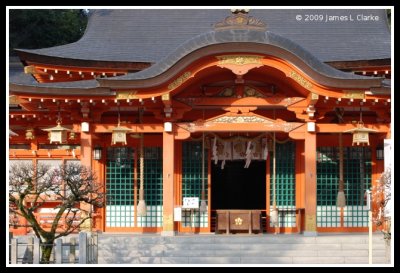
pixel 310 170
pixel 86 160
pixel 168 184
pixel 86 149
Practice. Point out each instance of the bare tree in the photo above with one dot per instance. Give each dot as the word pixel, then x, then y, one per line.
pixel 381 197
pixel 69 186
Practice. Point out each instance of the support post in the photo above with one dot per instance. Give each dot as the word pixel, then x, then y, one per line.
pixel 86 160
pixel 370 236
pixel 29 250
pixel 14 251
pixel 59 251
pixel 310 170
pixel 95 247
pixel 369 205
pixel 168 183
pixel 72 254
pixel 36 250
pixel 82 247
pixel 10 237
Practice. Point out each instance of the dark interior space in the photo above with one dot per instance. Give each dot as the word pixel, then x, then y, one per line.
pixel 235 187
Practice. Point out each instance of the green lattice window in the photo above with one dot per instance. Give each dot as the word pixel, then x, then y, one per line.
pixel 328 215
pixel 192 181
pixel 153 188
pixel 357 178
pixel 119 187
pixel 285 183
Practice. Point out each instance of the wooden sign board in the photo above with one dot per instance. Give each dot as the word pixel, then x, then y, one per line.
pixel 190 203
pixel 178 214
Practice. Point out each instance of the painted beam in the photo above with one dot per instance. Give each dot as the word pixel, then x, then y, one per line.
pixel 337 128
pixel 135 128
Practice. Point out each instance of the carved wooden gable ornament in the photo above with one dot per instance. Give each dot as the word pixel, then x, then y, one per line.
pixel 229 120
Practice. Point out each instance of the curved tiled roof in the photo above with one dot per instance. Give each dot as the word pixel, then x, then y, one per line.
pixel 235 36
pixel 135 35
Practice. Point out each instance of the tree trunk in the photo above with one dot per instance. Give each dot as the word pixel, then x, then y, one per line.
pixel 46 247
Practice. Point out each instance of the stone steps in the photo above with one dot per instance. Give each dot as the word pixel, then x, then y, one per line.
pixel 239 249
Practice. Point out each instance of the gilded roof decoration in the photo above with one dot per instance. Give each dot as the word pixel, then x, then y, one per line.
pixel 241 119
pixel 241 21
pixel 353 94
pixel 184 77
pixel 126 95
pixel 239 59
pixel 300 80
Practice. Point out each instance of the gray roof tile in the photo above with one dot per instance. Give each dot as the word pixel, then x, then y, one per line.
pixel 136 35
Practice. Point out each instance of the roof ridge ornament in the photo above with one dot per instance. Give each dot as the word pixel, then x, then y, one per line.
pixel 240 20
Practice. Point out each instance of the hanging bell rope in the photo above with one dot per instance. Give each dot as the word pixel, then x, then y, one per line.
pixel 203 204
pixel 274 176
pixel 59 114
pixel 341 198
pixel 119 117
pixel 142 211
pixel 362 175
pixel 274 212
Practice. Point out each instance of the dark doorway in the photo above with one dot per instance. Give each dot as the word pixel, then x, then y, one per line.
pixel 235 187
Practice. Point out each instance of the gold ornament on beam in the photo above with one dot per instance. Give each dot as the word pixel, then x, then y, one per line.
pixel 119 133
pixel 72 135
pixel 30 134
pixel 360 134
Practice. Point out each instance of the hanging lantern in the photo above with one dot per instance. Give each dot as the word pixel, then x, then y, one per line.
pixel 58 133
pixel 119 135
pixel 360 134
pixel 29 134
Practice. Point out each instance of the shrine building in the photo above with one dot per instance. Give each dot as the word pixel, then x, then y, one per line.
pixel 219 121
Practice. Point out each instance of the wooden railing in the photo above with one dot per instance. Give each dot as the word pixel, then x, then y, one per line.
pixel 70 251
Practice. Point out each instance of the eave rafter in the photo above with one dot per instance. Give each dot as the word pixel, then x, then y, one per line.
pixel 166 88
pixel 56 73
